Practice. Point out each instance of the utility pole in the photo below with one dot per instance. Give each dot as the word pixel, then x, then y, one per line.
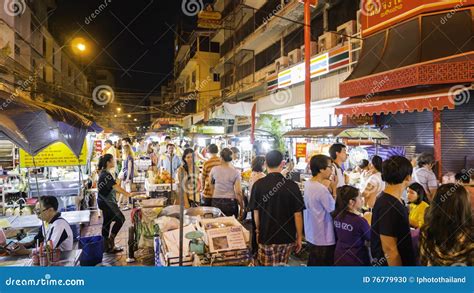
pixel 307 60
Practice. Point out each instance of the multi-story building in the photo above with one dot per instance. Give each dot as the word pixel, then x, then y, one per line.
pixel 195 76
pixel 262 55
pixel 261 49
pixel 34 62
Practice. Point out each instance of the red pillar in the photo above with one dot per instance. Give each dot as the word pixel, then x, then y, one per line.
pixel 437 140
pixel 254 118
pixel 307 59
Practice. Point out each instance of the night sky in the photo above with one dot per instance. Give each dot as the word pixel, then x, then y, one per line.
pixel 133 39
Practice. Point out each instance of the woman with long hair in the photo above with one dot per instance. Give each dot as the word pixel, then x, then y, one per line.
pixel 418 203
pixel 227 188
pixel 128 171
pixel 352 230
pixel 107 186
pixel 188 176
pixel 446 236
pixel 374 184
pixel 152 155
pixel 258 168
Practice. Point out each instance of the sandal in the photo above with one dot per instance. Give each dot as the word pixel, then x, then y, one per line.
pixel 115 249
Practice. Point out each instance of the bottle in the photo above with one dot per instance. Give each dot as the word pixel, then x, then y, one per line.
pixel 157 246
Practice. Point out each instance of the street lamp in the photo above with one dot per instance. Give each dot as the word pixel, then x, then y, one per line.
pixel 119 109
pixel 81 47
pixel 129 116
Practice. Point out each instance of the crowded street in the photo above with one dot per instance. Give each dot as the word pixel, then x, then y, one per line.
pixel 238 133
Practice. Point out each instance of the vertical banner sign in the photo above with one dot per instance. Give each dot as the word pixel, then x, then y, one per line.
pixel 55 155
pixel 98 146
pixel 377 15
pixel 301 149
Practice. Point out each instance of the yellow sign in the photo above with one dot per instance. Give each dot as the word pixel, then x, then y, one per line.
pixel 55 155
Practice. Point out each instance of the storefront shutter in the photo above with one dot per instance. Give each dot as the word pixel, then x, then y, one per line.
pixel 457 135
pixel 410 129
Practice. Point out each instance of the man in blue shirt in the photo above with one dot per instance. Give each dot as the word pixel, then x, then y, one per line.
pixel 170 161
pixel 318 223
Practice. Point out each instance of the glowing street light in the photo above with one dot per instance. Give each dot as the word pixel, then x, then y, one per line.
pixel 129 116
pixel 119 109
pixel 81 47
pixel 135 120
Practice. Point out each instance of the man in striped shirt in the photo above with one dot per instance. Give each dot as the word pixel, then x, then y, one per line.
pixel 213 161
pixel 58 230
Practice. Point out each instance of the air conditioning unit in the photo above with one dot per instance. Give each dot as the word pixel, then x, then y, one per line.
pixel 295 56
pixel 281 63
pixel 327 42
pixel 271 74
pixel 314 49
pixel 347 29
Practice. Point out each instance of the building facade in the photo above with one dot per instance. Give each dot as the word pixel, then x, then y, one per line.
pixel 34 63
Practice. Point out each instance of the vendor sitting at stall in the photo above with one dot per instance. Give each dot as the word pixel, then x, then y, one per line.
pixel 55 228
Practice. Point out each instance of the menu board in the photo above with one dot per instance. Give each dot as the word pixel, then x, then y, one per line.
pixel 55 155
pixel 301 149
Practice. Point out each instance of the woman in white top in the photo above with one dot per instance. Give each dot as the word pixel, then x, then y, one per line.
pixel 374 184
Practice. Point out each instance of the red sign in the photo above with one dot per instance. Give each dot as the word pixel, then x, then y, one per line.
pixel 301 150
pixel 380 14
pixel 98 146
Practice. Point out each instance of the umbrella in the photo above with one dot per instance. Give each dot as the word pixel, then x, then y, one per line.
pixel 33 126
pixel 363 133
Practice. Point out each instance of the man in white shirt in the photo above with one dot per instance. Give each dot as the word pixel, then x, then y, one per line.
pixel 58 230
pixel 424 174
pixel 338 153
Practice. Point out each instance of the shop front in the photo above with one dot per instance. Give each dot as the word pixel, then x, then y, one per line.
pixel 415 78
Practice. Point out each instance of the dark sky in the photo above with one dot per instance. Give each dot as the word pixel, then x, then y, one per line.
pixel 133 39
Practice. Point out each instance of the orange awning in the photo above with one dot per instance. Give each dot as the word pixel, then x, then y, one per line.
pixel 361 106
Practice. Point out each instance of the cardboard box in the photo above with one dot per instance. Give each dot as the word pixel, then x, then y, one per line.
pixel 227 221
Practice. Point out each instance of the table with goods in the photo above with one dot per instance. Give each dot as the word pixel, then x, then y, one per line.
pixel 209 238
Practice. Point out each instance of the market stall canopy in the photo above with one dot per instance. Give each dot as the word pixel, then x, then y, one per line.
pixel 362 133
pixel 33 125
pixel 414 53
pixel 231 110
pixel 401 102
pixel 259 133
pixel 315 132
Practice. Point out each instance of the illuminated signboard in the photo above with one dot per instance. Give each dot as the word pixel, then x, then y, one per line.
pixel 55 155
pixel 380 14
pixel 296 74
